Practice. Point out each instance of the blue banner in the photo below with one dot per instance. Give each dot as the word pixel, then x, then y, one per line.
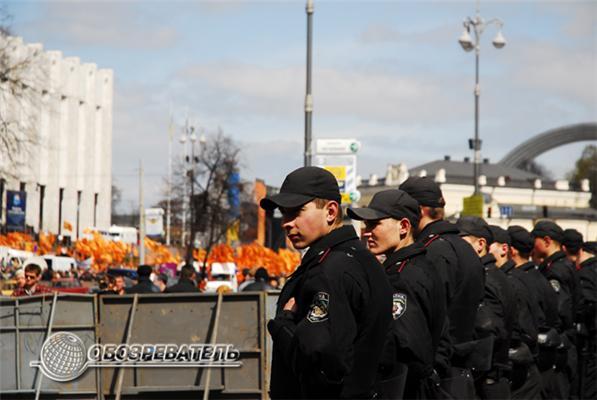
pixel 234 194
pixel 16 207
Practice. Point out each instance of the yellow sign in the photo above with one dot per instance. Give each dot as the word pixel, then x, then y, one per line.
pixel 473 206
pixel 338 171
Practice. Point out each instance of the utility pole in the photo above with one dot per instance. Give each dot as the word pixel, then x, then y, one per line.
pixel 308 97
pixel 141 217
pixel 168 205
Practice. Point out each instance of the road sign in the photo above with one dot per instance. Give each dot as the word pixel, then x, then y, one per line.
pixel 473 206
pixel 337 146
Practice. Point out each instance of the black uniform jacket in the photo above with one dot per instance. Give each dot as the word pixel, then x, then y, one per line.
pixel 330 348
pixel 418 313
pixel 461 273
pixel 561 274
pixel 529 309
pixel 548 317
pixel 144 286
pixel 587 274
pixel 183 286
pixel 498 314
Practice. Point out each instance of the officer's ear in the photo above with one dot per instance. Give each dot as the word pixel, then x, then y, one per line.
pixel 482 247
pixel 332 209
pixel 404 227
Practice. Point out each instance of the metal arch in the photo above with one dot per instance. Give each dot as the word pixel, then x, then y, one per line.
pixel 548 140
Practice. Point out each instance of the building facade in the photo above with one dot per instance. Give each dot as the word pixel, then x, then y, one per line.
pixel 511 196
pixel 65 168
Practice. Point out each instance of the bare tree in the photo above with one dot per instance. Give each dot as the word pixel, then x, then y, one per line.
pixel 22 80
pixel 216 161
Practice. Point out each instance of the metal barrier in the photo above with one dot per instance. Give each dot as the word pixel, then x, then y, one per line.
pixel 187 318
pixel 237 318
pixel 25 323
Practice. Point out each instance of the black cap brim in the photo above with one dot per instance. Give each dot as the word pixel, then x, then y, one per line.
pixel 366 214
pixel 284 200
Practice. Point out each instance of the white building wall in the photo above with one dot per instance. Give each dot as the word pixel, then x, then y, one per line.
pixel 73 149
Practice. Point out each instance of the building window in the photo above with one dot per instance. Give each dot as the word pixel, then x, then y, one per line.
pixel 2 181
pixel 78 210
pixel 60 198
pixel 42 195
pixel 95 198
pixel 22 186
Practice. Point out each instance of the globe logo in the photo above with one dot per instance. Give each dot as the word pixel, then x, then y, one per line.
pixel 63 357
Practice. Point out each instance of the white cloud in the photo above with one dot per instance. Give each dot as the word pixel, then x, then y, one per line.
pixel 279 92
pixel 553 70
pixel 114 24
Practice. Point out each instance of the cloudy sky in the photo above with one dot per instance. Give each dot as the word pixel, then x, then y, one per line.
pixel 388 73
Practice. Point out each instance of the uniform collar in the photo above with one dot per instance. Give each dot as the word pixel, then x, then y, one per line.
pixel 527 266
pixel 437 228
pixel 508 267
pixel 488 260
pixel 553 258
pixel 587 262
pixel 332 239
pixel 404 254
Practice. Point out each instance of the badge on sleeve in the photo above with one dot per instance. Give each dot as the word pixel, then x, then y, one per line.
pixel 555 285
pixel 318 311
pixel 399 305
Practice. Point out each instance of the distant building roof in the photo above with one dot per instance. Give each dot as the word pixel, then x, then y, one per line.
pixel 461 172
pixel 464 169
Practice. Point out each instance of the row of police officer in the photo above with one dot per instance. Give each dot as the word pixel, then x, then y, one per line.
pixel 444 317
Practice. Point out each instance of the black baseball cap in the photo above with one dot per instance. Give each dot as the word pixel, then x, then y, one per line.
pixel 572 240
pixel 521 239
pixel 548 228
pixel 500 235
pixel 424 190
pixel 303 185
pixel 391 203
pixel 474 226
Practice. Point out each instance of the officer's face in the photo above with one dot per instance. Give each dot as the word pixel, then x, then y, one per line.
pixel 500 252
pixel 541 248
pixel 383 235
pixel 478 244
pixel 305 224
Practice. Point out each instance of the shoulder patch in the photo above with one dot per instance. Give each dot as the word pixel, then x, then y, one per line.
pixel 555 285
pixel 398 305
pixel 318 311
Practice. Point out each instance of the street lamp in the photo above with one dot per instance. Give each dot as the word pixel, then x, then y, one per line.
pixel 308 97
pixel 478 25
pixel 192 137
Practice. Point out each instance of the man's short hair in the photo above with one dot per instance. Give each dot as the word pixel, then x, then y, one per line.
pixel 435 213
pixel 187 271
pixel 36 269
pixel 144 270
pixel 320 203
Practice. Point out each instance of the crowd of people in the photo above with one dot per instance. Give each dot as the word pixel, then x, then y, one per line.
pixel 428 308
pixel 33 280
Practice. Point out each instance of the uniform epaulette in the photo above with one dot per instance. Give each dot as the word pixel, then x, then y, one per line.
pixel 431 238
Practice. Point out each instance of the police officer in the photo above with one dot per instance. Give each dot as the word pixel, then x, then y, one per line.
pixel 463 279
pixel 525 379
pixel 418 299
pixel 585 262
pixel 546 316
pixel 334 310
pixel 498 314
pixel 560 273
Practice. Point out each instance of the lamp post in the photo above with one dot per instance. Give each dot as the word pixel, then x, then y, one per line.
pixel 478 25
pixel 192 138
pixel 308 97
